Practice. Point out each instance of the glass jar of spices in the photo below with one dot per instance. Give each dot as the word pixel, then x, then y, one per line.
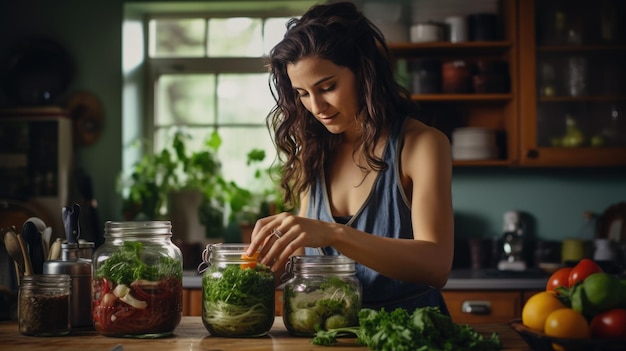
pixel 323 293
pixel 237 292
pixel 44 305
pixel 137 281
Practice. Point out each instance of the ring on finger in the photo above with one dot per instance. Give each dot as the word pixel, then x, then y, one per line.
pixel 277 233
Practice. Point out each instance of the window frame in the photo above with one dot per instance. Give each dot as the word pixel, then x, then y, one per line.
pixel 156 67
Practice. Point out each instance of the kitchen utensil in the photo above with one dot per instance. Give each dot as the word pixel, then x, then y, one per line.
pixel 55 250
pixel 28 267
pixel 32 238
pixel 38 222
pixel 70 221
pixel 15 251
pixel 46 236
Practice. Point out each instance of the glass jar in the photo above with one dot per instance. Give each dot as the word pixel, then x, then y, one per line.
pixel 237 292
pixel 44 305
pixel 323 293
pixel 137 280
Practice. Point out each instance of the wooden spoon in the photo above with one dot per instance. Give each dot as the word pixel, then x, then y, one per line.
pixel 15 251
pixel 28 267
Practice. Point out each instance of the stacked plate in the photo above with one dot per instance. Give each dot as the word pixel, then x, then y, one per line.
pixel 474 143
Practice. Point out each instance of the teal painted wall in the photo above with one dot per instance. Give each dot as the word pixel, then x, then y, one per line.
pixel 91 31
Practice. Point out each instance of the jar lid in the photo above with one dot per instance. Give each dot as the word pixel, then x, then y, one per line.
pixel 226 252
pixel 130 228
pixel 46 280
pixel 322 264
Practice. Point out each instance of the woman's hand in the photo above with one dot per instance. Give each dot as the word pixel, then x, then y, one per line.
pixel 284 234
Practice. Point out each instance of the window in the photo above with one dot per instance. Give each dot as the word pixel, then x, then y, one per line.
pixel 206 73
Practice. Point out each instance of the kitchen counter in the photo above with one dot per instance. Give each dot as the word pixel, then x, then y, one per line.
pixel 191 335
pixel 460 279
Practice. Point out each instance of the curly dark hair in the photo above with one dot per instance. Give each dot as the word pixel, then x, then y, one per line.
pixel 340 33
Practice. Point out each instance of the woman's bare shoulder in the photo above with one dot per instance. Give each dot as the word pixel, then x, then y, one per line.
pixel 417 133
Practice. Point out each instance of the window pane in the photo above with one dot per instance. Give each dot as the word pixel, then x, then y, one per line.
pixel 273 32
pixel 235 37
pixel 185 99
pixel 243 98
pixel 177 37
pixel 236 143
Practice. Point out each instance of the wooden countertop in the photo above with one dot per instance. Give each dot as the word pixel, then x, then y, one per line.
pixel 191 335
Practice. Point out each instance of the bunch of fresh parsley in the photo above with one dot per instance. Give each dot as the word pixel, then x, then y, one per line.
pixel 426 329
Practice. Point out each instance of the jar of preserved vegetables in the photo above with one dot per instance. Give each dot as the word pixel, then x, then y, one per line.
pixel 44 305
pixel 237 292
pixel 137 281
pixel 322 293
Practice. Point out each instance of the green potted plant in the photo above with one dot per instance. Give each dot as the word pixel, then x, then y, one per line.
pixel 156 176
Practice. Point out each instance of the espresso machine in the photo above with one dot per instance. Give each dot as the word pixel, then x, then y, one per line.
pixel 513 243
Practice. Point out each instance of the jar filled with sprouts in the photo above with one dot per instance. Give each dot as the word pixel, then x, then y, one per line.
pixel 237 292
pixel 322 293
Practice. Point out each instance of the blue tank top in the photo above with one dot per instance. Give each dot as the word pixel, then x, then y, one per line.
pixel 386 212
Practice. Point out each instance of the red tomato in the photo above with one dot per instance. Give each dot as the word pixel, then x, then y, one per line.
pixel 610 324
pixel 559 278
pixel 582 270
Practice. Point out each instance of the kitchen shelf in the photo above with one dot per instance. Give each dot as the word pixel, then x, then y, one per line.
pixel 461 97
pixel 560 99
pixel 579 48
pixel 407 49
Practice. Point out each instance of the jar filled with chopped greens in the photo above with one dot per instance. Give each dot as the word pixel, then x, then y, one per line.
pixel 237 292
pixel 137 281
pixel 323 293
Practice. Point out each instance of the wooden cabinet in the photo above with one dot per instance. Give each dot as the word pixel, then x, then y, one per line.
pixel 566 71
pixel 480 306
pixel 572 55
pixel 192 302
pixel 495 111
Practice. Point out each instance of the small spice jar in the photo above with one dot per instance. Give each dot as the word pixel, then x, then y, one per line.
pixel 237 292
pixel 44 305
pixel 322 293
pixel 137 289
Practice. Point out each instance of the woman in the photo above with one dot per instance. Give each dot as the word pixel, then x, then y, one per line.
pixel 373 182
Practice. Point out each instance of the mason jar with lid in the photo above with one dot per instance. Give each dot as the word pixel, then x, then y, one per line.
pixel 44 305
pixel 137 281
pixel 322 293
pixel 237 292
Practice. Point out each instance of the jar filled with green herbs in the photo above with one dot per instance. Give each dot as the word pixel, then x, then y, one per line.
pixel 237 292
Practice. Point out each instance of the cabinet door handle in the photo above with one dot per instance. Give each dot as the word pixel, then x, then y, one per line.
pixel 480 307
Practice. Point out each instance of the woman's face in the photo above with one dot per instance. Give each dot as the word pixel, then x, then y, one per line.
pixel 326 90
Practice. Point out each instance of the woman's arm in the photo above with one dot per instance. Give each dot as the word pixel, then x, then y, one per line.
pixel 426 172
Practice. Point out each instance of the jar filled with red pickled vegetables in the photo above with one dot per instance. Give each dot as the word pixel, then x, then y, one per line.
pixel 137 281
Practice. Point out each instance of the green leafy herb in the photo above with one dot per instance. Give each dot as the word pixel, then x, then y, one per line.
pixel 133 262
pixel 426 329
pixel 238 301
